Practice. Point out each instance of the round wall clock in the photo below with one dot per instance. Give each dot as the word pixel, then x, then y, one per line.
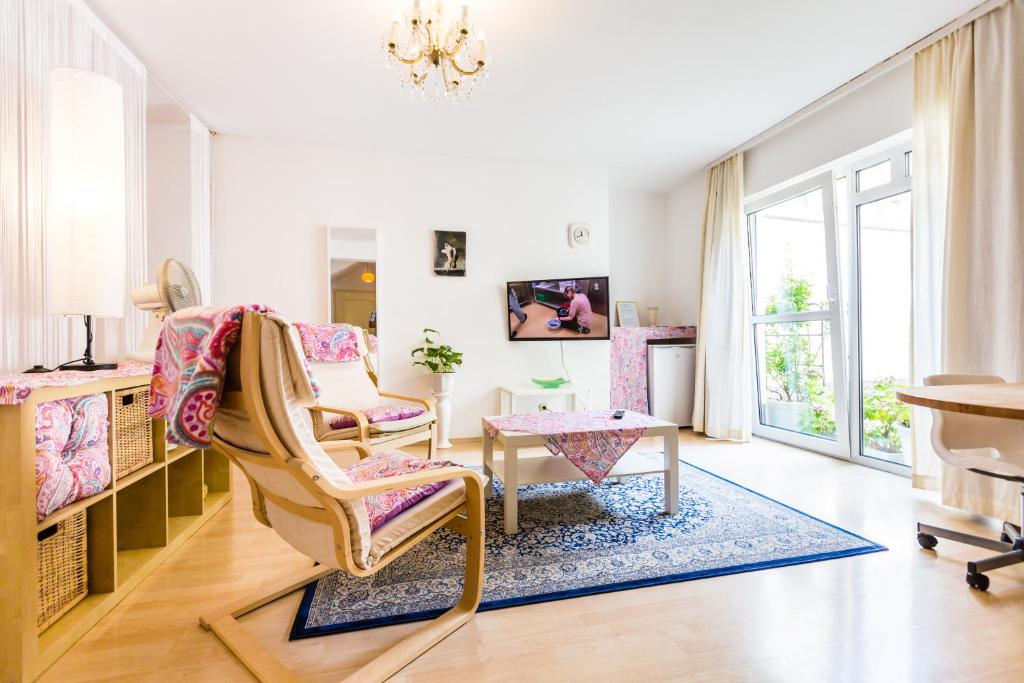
pixel 579 235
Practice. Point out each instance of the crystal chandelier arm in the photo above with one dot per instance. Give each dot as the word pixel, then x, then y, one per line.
pixel 466 72
pixel 393 49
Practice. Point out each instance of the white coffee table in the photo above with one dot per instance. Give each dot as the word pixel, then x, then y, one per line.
pixel 546 468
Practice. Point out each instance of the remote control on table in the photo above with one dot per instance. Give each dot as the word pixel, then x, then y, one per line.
pixel 618 414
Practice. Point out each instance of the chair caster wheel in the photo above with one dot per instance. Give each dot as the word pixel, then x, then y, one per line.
pixel 977 581
pixel 927 541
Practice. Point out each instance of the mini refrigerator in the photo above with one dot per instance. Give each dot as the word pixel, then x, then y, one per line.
pixel 670 372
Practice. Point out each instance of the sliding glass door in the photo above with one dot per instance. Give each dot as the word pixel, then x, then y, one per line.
pixel 796 321
pixel 831 293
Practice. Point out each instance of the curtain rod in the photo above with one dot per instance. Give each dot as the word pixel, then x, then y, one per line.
pixel 883 67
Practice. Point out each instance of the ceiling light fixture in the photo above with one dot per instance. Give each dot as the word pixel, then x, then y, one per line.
pixel 367 276
pixel 431 50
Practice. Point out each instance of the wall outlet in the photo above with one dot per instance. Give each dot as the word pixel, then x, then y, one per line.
pixel 542 407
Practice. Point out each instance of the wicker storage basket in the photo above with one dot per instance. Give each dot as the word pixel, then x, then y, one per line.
pixel 61 568
pixel 133 437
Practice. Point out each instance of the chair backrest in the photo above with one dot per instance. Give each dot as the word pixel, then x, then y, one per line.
pixel 962 431
pixel 349 384
pixel 264 426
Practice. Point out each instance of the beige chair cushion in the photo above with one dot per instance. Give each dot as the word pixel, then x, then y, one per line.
pixel 287 395
pixel 345 385
pixel 409 521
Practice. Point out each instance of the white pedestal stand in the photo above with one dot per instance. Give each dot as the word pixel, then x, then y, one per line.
pixel 443 384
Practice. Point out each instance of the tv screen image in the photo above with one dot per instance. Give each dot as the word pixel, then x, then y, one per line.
pixel 562 309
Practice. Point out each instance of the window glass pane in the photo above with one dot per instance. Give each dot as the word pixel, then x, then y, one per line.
pixel 795 377
pixel 885 326
pixel 873 176
pixel 788 241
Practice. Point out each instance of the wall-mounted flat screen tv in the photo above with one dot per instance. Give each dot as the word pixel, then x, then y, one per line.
pixel 558 309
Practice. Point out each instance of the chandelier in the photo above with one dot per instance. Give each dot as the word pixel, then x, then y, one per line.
pixel 436 53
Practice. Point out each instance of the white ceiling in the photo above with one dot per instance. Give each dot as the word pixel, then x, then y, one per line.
pixel 650 89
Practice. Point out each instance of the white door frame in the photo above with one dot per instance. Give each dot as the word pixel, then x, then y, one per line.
pixel 899 183
pixel 833 316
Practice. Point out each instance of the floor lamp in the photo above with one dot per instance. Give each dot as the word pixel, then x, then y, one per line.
pixel 85 221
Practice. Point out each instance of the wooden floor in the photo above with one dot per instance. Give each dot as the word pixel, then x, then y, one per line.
pixel 902 615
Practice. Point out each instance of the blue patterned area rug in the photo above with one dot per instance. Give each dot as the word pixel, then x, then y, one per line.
pixel 579 539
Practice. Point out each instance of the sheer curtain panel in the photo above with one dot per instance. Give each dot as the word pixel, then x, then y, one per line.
pixel 723 402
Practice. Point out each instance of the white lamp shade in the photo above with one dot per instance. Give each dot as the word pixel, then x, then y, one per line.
pixel 85 222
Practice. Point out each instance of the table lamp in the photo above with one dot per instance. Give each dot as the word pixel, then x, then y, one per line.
pixel 85 220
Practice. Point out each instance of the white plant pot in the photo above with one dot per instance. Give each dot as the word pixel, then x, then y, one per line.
pixel 444 383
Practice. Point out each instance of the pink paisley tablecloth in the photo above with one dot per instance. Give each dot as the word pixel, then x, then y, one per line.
pixel 629 363
pixel 16 387
pixel 593 441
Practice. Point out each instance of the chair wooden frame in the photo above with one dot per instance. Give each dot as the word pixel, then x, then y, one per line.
pixel 411 436
pixel 467 519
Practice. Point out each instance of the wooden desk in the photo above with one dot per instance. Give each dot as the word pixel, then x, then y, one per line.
pixel 990 400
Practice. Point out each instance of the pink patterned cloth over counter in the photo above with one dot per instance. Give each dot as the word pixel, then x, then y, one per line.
pixel 189 366
pixel 381 507
pixel 16 387
pixel 385 412
pixel 629 363
pixel 72 459
pixel 593 441
pixel 329 342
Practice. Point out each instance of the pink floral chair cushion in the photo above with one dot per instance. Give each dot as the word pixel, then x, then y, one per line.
pixel 384 506
pixel 72 458
pixel 385 412
pixel 329 342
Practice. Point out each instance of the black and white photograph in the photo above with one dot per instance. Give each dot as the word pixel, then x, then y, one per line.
pixel 450 253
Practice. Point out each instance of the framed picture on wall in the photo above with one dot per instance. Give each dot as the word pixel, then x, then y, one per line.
pixel 628 313
pixel 450 253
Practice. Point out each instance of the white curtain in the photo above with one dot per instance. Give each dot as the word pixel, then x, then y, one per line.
pixel 723 400
pixel 199 156
pixel 36 35
pixel 971 90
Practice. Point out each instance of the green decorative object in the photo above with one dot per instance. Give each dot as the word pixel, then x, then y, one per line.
pixel 550 383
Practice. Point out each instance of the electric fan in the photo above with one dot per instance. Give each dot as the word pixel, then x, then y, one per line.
pixel 175 288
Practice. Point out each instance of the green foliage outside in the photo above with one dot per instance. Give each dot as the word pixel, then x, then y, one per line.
pixel 883 414
pixel 796 374
pixel 438 358
pixel 793 366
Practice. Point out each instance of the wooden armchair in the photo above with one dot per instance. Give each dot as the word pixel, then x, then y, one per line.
pixel 299 489
pixel 350 389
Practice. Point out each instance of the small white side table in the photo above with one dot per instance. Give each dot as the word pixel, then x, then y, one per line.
pixel 533 399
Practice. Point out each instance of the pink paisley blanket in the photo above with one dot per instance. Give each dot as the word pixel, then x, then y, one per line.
pixel 381 507
pixel 593 441
pixel 188 369
pixel 329 342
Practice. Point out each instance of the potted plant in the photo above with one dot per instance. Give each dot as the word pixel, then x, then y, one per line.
pixel 441 360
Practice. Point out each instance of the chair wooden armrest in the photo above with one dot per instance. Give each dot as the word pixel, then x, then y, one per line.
pixel 402 481
pixel 427 403
pixel 341 445
pixel 361 421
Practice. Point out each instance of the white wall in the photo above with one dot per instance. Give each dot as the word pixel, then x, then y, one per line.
pixel 682 248
pixel 272 201
pixel 875 111
pixel 168 196
pixel 639 228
